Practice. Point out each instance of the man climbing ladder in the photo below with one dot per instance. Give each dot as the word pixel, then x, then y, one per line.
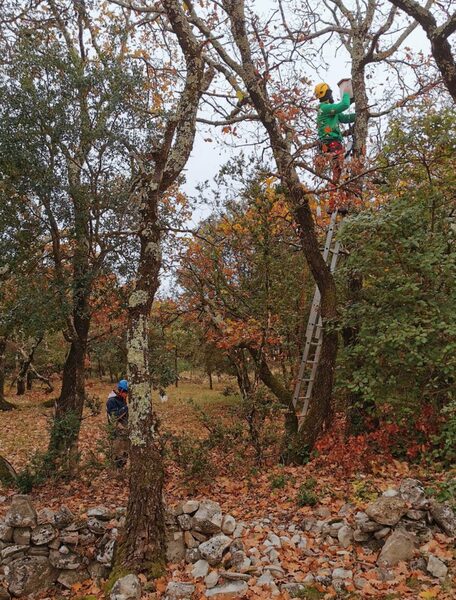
pixel 330 115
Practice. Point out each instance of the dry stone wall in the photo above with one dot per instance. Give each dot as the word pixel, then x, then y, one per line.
pixel 45 548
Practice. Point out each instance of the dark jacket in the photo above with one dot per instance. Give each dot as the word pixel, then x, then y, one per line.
pixel 117 408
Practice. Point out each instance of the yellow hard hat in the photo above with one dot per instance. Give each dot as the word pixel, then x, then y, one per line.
pixel 320 90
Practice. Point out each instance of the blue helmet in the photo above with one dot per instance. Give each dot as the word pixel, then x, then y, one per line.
pixel 123 385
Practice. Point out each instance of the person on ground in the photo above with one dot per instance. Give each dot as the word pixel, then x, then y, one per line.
pixel 117 411
pixel 330 115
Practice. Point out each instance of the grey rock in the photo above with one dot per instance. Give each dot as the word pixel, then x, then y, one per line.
pixel 69 537
pixel 190 507
pixel 201 537
pixel 38 551
pixel 175 547
pixel 45 516
pixel 390 493
pixel 369 526
pixel 200 569
pixel 416 515
pixel 308 524
pixel 185 522
pixel 323 580
pixel 412 491
pixel 444 516
pixel 64 550
pixel 436 567
pixel 178 590
pixel 190 541
pixel 43 534
pixel 96 526
pixel 359 583
pixel 323 512
pixel 63 517
pixel 275 570
pixel 232 589
pixel 211 579
pixel 30 575
pixel 21 512
pixel 213 549
pixel 294 588
pixel 360 536
pixel 340 573
pixel 398 547
pixel 64 561
pixel 6 532
pixel 192 555
pixel 418 564
pixel 126 588
pixel 345 536
pixel 346 509
pixel 382 533
pixel 237 533
pixel 228 524
pixel 69 578
pixel 98 571
pixel 106 553
pixel 387 511
pixel 21 536
pixel 239 560
pixel 86 538
pixel 234 576
pixel 10 551
pixel 102 513
pixel 208 517
pixel 237 545
pixel 338 585
pixel 274 540
pixel 10 559
pixel 273 554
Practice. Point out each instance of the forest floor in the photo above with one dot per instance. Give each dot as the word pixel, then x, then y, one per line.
pixel 247 490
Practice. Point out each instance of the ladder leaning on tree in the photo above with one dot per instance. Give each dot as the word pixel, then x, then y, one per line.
pixel 312 348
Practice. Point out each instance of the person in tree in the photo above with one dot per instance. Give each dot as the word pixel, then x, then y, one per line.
pixel 117 410
pixel 330 115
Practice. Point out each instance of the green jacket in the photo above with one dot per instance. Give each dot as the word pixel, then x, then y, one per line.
pixel 329 117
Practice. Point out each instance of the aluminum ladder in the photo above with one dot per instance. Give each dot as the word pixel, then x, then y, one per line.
pixel 312 348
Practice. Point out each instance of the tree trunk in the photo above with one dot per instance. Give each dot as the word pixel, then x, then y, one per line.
pixel 354 402
pixel 209 376
pixel 143 546
pixel 293 448
pixel 63 442
pixel 320 405
pixel 29 380
pixel 25 363
pixel 4 404
pixel 361 101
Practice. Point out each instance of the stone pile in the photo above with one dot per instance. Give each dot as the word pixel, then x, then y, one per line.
pixel 397 527
pixel 38 549
pixel 200 534
pixel 224 557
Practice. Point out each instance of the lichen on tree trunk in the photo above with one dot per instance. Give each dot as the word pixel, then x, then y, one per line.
pixel 142 547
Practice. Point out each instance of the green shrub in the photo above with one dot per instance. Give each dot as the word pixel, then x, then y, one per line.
pixel 278 482
pixel 192 457
pixel 306 494
pixel 444 491
pixel 445 442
